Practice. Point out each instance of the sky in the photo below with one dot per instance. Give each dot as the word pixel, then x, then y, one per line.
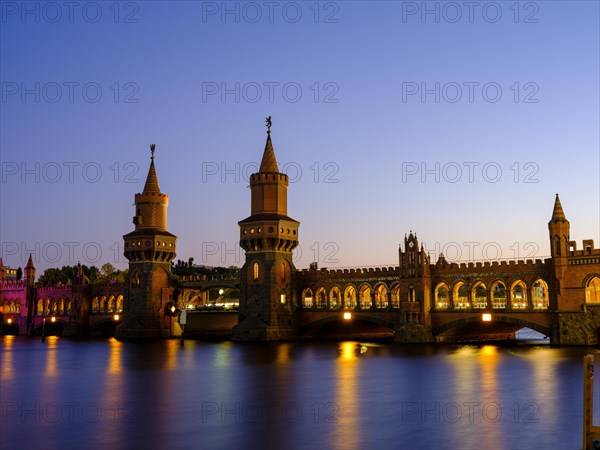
pixel 458 121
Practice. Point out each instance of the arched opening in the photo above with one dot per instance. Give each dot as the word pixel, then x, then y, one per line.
pixel 396 296
pixel 307 298
pixel 334 298
pixel 498 295
pixel 321 298
pixel 365 297
pixel 68 306
pixel 461 296
pixel 282 269
pixel 255 272
pixel 442 297
pixel 40 307
pixel 592 290
pixel 519 295
pixel 411 293
pixel 136 279
pixel 95 305
pixel 61 306
pixel 120 303
pixel 103 304
pixel 111 304
pixel 350 297
pixel 479 294
pixel 540 295
pixel 381 297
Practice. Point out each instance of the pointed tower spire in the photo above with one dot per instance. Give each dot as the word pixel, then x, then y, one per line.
pixel 269 163
pixel 558 213
pixel 30 261
pixel 152 186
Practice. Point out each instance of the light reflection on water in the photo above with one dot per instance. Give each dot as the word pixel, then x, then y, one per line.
pixel 349 395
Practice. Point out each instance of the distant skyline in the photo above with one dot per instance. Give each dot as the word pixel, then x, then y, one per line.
pixel 458 123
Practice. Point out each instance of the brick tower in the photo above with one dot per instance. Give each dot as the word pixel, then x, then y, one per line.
pixel 415 291
pixel 559 231
pixel 268 236
pixel 150 248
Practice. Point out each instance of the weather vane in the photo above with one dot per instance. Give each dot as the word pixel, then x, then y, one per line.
pixel 269 123
pixel 152 147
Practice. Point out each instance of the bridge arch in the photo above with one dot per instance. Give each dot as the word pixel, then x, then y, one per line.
pixel 335 297
pixel 460 295
pixel 498 294
pixel 350 296
pixel 505 319
pixel 364 294
pixel 395 295
pixel 518 295
pixel 591 283
pixel 307 298
pixel 442 296
pixel 380 294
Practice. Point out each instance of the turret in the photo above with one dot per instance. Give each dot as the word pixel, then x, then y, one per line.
pixel 559 230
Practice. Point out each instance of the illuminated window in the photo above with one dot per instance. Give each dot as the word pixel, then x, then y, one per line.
pixel 282 271
pixel 255 270
pixel 282 299
pixel 592 291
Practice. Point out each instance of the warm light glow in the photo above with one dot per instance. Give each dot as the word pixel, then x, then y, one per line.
pixel 487 317
pixel 221 291
pixel 9 321
pixel 53 319
pixel 173 308
pixel 347 316
pixel 116 317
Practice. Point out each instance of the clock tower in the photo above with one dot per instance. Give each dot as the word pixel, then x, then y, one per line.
pixel 268 236
pixel 415 292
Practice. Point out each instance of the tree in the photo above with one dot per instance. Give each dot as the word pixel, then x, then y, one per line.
pixel 183 268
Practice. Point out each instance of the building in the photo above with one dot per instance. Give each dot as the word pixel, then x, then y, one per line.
pixel 415 301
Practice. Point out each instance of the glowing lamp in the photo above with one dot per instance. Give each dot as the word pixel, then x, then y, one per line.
pixel 116 317
pixel 486 317
pixel 347 316
pixel 173 308
pixel 9 321
pixel 53 319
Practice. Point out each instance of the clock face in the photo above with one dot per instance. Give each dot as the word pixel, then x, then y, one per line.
pixel 411 244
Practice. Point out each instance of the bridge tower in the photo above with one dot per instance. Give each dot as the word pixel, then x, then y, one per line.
pixel 415 292
pixel 30 294
pixel 268 236
pixel 150 248
pixel 559 230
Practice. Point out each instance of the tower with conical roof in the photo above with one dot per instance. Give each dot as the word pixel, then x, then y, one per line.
pixel 268 236
pixel 150 248
pixel 559 229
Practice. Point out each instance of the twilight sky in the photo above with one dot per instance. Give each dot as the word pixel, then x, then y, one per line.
pixel 457 120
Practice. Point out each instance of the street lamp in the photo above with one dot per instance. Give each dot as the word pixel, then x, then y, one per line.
pixel 44 329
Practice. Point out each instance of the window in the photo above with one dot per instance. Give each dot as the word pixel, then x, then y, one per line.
pixel 255 272
pixel 282 271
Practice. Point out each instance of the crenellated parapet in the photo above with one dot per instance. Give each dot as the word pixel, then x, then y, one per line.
pixel 347 275
pixel 489 268
pixel 13 284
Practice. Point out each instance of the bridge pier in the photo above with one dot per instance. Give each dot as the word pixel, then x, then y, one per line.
pixel 413 334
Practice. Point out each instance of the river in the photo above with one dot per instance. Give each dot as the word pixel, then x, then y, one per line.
pixel 75 394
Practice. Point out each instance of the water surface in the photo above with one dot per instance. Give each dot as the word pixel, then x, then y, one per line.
pixel 74 394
